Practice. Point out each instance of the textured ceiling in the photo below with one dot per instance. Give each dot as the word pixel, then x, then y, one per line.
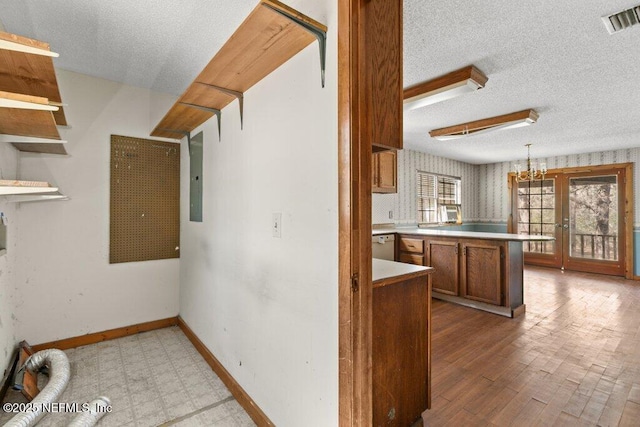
pixel 555 57
pixel 156 44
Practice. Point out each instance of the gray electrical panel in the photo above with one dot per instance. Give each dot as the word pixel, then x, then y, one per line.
pixel 195 183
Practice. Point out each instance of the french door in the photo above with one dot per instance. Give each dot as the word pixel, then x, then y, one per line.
pixel 586 210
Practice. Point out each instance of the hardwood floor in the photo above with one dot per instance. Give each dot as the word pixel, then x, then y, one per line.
pixel 572 359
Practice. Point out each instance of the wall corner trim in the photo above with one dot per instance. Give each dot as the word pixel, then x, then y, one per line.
pixel 111 334
pixel 256 414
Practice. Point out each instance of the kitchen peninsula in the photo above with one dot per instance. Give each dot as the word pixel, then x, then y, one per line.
pixel 476 269
pixel 401 342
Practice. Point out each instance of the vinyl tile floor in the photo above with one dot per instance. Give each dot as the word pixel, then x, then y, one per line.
pixel 155 378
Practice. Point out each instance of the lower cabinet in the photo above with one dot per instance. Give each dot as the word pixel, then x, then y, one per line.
pixel 401 351
pixel 472 269
pixel 443 256
pixel 481 272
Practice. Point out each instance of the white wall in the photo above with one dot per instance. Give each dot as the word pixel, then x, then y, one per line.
pixel 403 204
pixel 267 307
pixel 8 340
pixel 66 286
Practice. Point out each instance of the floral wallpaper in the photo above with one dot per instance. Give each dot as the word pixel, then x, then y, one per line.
pixel 485 197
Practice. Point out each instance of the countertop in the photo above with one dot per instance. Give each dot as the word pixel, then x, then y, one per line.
pixel 383 269
pixel 462 234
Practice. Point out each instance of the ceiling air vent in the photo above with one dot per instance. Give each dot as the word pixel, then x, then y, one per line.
pixel 622 20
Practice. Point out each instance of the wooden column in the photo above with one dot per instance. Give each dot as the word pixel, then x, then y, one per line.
pixel 355 408
pixel 369 64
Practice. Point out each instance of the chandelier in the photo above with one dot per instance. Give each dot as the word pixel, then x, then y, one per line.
pixel 532 173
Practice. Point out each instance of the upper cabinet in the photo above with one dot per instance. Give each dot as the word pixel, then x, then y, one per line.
pixel 385 172
pixel 30 102
pixel 270 36
pixel 383 72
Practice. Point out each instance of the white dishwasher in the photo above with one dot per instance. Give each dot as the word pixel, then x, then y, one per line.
pixel 383 246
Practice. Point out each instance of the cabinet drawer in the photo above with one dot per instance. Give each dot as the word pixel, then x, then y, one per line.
pixel 412 259
pixel 408 244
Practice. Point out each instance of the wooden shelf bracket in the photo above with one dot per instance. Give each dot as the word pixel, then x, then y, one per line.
pixel 215 111
pixel 271 35
pixel 319 34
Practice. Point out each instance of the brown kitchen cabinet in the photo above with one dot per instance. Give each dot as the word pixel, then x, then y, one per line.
pixel 401 349
pixel 482 273
pixel 382 79
pixel 384 170
pixel 442 255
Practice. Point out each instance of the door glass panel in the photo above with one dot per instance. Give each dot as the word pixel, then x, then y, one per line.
pixel 593 217
pixel 536 213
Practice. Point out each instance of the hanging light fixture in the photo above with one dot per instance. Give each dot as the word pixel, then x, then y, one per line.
pixel 533 171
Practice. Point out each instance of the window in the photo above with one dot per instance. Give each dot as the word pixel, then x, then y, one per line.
pixel 434 192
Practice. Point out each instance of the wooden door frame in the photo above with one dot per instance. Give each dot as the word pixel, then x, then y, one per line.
pixel 628 216
pixel 532 258
pixel 577 264
pixel 354 225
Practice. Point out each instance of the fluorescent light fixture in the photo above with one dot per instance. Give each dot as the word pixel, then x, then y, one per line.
pixel 456 83
pixel 19 47
pixel 479 127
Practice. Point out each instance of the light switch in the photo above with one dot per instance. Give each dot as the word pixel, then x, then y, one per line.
pixel 276 225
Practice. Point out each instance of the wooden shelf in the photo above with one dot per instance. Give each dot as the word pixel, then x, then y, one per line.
pixel 265 40
pixel 30 74
pixel 35 145
pixel 15 187
pixel 29 79
pixel 24 198
pixel 29 191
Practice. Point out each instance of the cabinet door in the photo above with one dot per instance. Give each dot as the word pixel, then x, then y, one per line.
pixel 400 352
pixel 384 172
pixel 481 272
pixel 443 256
pixel 374 173
pixel 382 75
pixel 387 171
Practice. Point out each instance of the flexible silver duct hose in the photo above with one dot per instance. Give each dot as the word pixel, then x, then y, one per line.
pixel 59 373
pixel 97 409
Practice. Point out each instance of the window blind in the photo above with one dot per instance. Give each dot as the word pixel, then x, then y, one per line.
pixel 433 191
